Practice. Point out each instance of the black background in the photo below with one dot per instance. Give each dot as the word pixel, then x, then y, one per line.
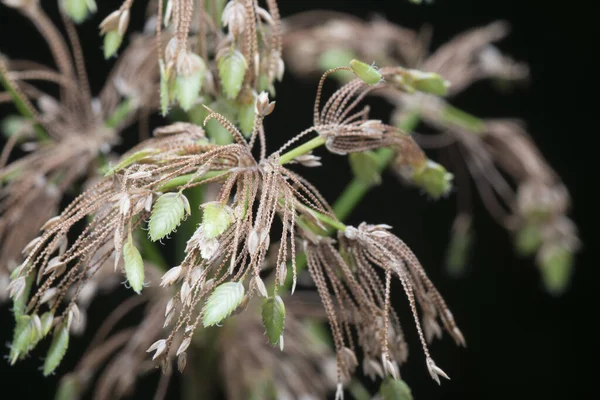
pixel 522 343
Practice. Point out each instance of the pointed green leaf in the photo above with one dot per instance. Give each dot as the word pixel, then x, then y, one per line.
pixel 222 302
pixel 395 389
pixel 58 348
pixel 167 213
pixel 134 266
pixel 232 69
pixel 273 317
pixel 365 167
pixel 216 219
pixel 112 42
pixel 369 74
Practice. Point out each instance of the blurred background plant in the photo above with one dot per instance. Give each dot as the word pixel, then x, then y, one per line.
pixel 228 57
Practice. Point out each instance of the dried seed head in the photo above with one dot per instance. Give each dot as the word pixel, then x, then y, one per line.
pixel 260 286
pixel 308 160
pixel 171 276
pixel 51 223
pixel 159 346
pixel 48 295
pixel 185 293
pixel 123 22
pixel 234 17
pixel 169 306
pixel 184 345
pixel 435 371
pixel 16 288
pixel 181 361
pixel 262 106
pixel 111 22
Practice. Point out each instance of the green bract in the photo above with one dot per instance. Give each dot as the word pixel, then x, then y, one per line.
pixel 369 74
pixel 223 300
pixel 458 252
pixel 216 219
pixel 112 42
pixel 168 212
pixel 58 348
pixel 395 389
pixel 246 115
pixel 134 266
pixel 187 87
pixel 24 338
pixel 556 265
pixel 434 179
pixel 273 317
pixel 78 10
pixel 528 239
pixel 232 69
pixel 428 82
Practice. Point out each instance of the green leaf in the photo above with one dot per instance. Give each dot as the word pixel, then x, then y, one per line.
pixel 273 317
pixel 365 167
pixel 112 42
pixel 134 266
pixel 131 159
pixel 167 213
pixel 369 74
pixel 232 69
pixel 246 116
pixel 556 265
pixel 222 302
pixel 394 389
pixel 434 179
pixel 58 348
pixel 216 219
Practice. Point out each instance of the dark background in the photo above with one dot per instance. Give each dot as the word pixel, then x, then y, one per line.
pixel 522 343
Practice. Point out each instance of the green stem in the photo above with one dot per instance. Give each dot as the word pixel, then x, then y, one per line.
pixel 183 179
pixel 356 190
pixel 20 103
pixel 302 149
